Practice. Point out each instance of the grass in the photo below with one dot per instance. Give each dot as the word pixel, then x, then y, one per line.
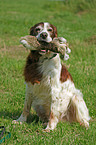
pixel 76 21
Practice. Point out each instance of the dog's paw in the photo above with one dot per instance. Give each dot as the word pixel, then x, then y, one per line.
pixel 46 130
pixel 16 122
pixel 20 120
pixel 85 123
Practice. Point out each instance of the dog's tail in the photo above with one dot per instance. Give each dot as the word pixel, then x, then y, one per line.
pixel 78 110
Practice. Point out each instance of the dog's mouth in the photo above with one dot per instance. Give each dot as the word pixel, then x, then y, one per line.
pixel 43 51
pixel 43 42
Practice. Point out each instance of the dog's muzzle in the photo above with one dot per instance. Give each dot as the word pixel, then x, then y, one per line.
pixel 43 35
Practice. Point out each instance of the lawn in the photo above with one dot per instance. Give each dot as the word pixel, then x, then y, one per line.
pixel 76 21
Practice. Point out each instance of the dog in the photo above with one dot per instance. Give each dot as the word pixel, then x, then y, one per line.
pixel 50 89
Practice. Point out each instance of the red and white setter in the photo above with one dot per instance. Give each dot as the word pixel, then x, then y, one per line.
pixel 50 89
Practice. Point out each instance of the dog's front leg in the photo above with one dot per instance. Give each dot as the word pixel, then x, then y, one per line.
pixel 54 112
pixel 26 110
pixel 27 106
pixel 53 120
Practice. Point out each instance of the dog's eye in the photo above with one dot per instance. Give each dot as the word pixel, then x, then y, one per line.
pixel 37 29
pixel 50 30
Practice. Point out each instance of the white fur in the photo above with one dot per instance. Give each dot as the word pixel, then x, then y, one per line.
pixel 44 29
pixel 55 96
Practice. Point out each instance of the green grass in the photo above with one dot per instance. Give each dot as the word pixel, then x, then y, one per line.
pixel 76 21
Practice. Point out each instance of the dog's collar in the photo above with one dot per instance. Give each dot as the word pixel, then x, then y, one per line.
pixel 50 57
pixel 53 56
pixel 33 51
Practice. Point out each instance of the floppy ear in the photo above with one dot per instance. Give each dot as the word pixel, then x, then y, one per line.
pixel 32 31
pixel 54 31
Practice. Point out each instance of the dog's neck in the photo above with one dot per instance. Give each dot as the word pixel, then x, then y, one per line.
pixel 40 66
pixel 51 64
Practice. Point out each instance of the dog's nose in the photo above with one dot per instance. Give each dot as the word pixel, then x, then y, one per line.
pixel 44 35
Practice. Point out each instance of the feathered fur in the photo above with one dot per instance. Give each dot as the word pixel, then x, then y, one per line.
pixel 50 89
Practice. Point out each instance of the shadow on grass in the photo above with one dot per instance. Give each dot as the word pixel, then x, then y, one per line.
pixel 15 115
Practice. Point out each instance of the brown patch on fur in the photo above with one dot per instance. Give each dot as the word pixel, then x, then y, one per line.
pixel 65 75
pixel 31 71
pixel 54 33
pixel 32 29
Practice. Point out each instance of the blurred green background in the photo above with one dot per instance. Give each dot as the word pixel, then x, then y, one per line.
pixel 76 21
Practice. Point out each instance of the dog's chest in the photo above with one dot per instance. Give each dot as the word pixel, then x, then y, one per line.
pixel 42 93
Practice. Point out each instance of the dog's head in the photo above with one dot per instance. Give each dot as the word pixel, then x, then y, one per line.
pixel 44 32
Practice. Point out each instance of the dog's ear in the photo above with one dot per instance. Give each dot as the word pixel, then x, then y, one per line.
pixel 54 31
pixel 32 31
